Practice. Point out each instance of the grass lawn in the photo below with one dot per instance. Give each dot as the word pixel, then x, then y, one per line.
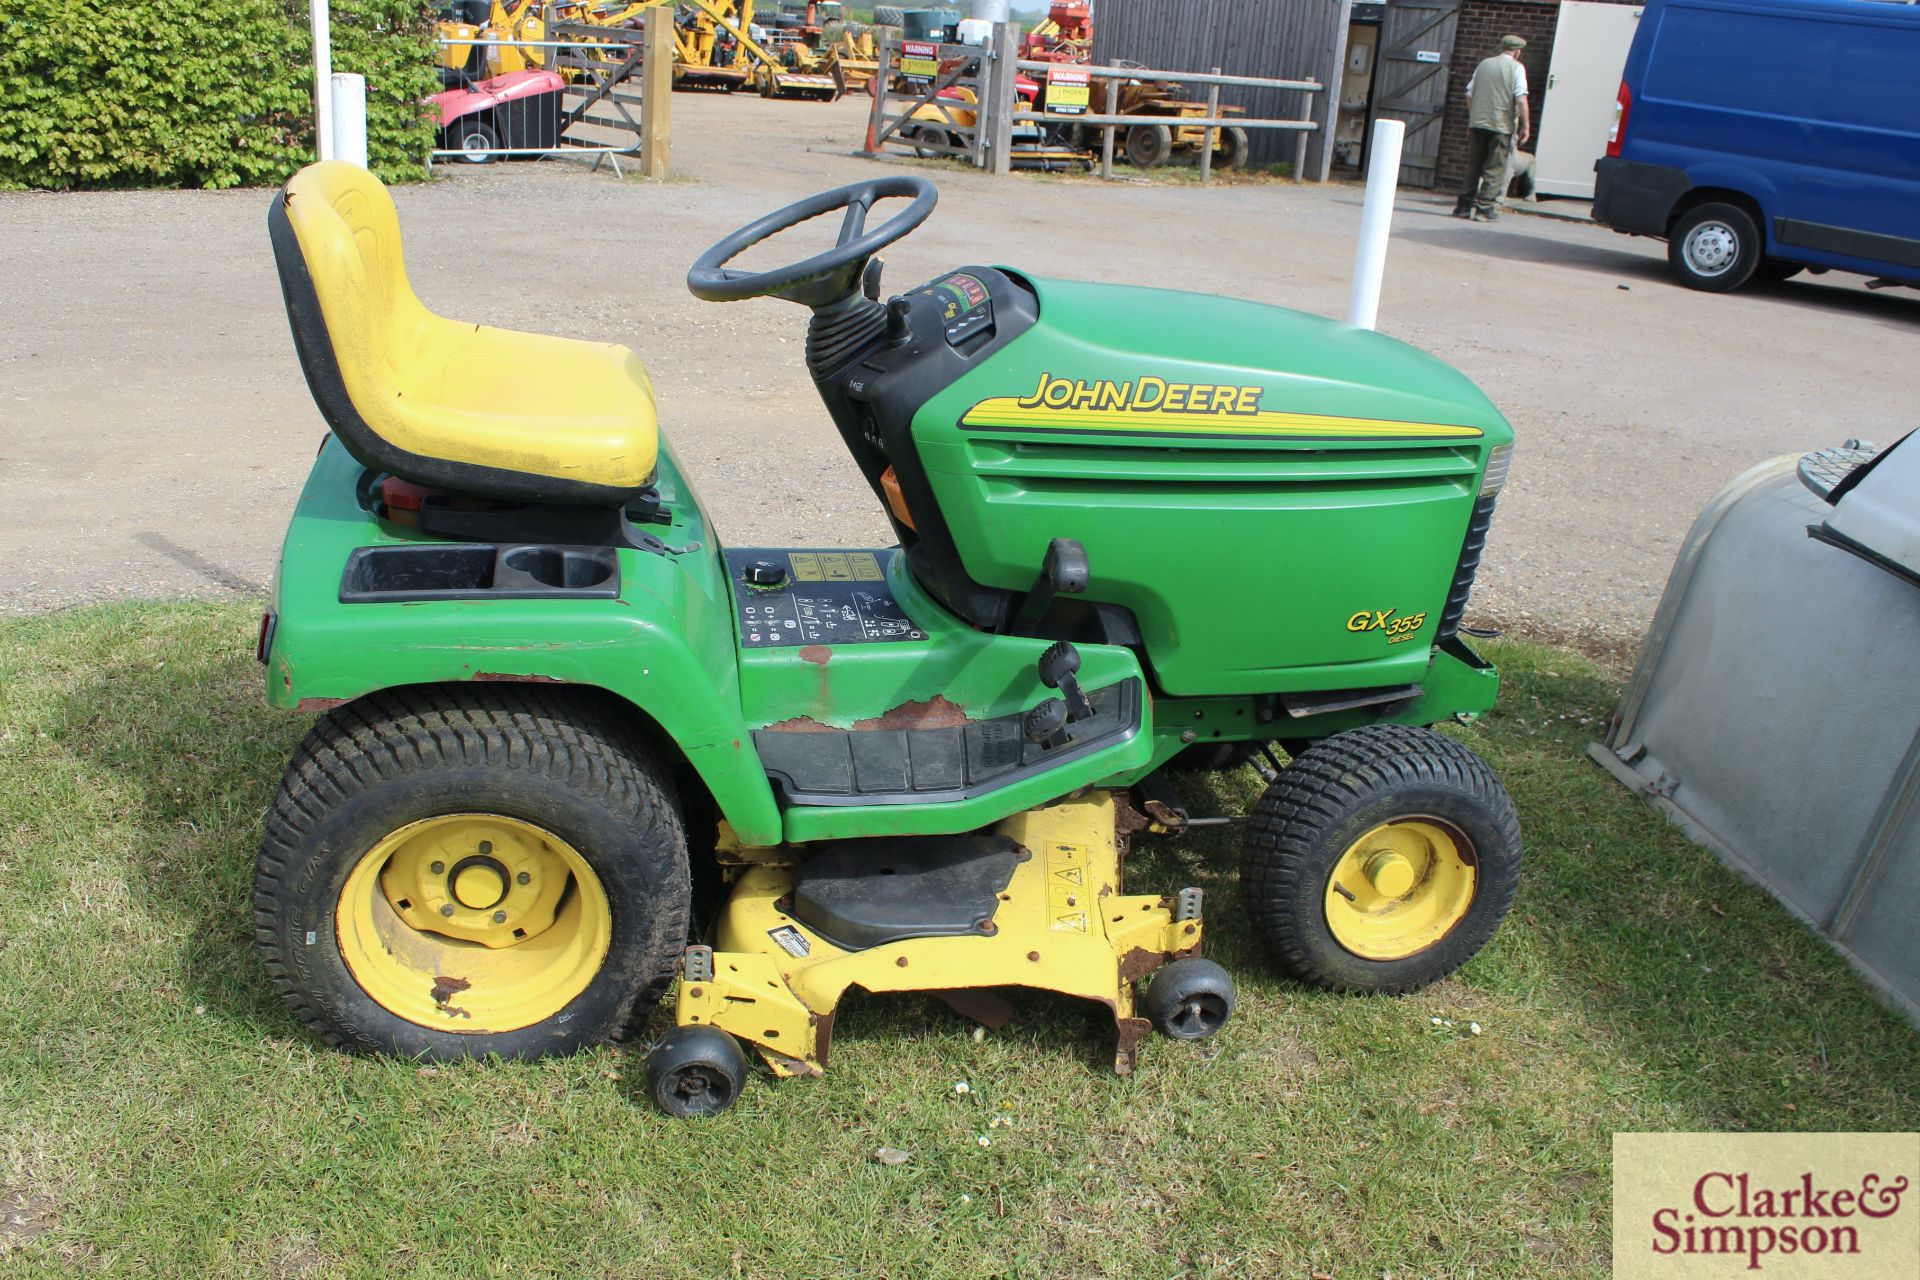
pixel 161 1114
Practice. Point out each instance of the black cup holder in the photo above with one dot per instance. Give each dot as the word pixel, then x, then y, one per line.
pixel 439 571
pixel 560 568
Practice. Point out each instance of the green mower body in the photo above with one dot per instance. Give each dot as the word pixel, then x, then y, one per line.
pixel 1280 518
pixel 1132 529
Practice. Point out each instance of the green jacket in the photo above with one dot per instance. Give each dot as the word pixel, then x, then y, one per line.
pixel 1495 82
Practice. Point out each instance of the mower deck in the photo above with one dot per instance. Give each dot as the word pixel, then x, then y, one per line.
pixel 1048 915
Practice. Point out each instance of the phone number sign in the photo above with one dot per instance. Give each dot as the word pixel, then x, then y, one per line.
pixel 919 61
pixel 1069 91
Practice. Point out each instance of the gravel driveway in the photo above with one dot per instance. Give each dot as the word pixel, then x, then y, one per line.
pixel 154 429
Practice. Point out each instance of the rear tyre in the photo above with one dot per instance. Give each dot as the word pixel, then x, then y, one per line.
pixel 696 1071
pixel 475 142
pixel 1381 860
pixel 1235 147
pixel 451 873
pixel 1774 270
pixel 1189 999
pixel 1149 145
pixel 1714 247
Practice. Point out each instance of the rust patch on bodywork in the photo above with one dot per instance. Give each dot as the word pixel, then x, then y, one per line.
pixel 1139 962
pixel 934 713
pixel 799 724
pixel 818 654
pixel 445 989
pixel 314 706
pixel 1127 1046
pixel 1126 821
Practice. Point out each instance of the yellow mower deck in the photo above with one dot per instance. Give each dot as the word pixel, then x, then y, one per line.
pixel 1061 924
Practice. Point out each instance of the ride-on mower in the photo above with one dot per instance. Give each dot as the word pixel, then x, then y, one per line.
pixel 551 693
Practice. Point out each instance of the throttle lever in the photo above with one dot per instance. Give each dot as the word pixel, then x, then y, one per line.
pixel 1059 666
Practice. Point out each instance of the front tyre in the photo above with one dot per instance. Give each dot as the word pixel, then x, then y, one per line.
pixel 1714 247
pixel 450 873
pixel 1381 860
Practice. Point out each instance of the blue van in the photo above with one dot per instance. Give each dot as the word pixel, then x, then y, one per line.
pixel 1770 136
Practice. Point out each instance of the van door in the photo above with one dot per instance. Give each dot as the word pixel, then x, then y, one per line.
pixel 1590 46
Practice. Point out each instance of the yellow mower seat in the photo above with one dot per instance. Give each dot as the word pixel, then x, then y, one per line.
pixel 517 416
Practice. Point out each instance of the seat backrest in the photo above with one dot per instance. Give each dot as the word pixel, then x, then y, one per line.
pixel 336 242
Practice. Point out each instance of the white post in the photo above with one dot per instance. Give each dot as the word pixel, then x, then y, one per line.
pixel 350 118
pixel 322 24
pixel 1376 222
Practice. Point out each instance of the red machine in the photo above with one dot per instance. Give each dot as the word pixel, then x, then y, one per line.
pixel 1065 36
pixel 520 111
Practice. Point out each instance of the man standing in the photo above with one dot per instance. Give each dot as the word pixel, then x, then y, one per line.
pixel 1497 101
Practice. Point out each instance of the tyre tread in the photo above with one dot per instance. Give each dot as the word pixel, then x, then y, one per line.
pixel 1283 850
pixel 408 731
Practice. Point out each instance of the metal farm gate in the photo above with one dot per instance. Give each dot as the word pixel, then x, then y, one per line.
pixel 1416 45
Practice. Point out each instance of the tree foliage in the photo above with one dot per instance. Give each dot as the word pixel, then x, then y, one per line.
pixel 199 93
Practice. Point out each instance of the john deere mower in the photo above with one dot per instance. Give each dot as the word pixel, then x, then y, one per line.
pixel 1134 529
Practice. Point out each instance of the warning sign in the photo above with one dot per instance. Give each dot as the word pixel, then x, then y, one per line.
pixel 1067 896
pixel 919 61
pixel 1069 90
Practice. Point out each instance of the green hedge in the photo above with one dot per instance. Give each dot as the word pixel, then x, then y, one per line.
pixel 199 93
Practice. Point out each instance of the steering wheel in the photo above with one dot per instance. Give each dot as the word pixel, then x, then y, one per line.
pixel 827 277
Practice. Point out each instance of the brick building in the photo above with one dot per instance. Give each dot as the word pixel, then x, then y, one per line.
pixel 1481 24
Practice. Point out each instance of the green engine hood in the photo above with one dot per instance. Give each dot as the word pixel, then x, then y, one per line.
pixel 1282 503
pixel 1266 372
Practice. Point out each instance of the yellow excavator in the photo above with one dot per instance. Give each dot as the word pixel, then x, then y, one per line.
pixel 498 20
pixel 714 47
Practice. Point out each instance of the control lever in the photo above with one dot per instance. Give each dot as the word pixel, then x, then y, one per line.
pixel 1046 724
pixel 898 328
pixel 1064 571
pixel 1058 666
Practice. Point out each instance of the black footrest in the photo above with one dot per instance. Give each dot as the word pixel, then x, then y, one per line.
pixel 864 893
pixel 815 764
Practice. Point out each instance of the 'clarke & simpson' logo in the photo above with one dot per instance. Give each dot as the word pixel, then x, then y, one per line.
pixel 1785 1205
pixel 1728 1214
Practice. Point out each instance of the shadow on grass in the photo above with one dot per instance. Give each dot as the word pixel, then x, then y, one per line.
pixel 1736 1014
pixel 171 714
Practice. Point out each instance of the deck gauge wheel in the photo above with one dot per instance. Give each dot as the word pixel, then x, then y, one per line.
pixel 696 1071
pixel 1189 999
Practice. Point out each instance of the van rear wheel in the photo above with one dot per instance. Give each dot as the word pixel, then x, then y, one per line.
pixel 1714 247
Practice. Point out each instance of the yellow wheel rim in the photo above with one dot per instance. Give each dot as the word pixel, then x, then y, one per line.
pixel 1400 888
pixel 473 923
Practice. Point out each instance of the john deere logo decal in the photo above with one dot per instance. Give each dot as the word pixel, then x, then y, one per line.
pixel 1157 406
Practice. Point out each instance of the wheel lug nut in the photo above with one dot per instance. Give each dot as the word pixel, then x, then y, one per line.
pixel 447 910
pixel 524 878
pixel 486 846
pixel 438 868
pixel 499 917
